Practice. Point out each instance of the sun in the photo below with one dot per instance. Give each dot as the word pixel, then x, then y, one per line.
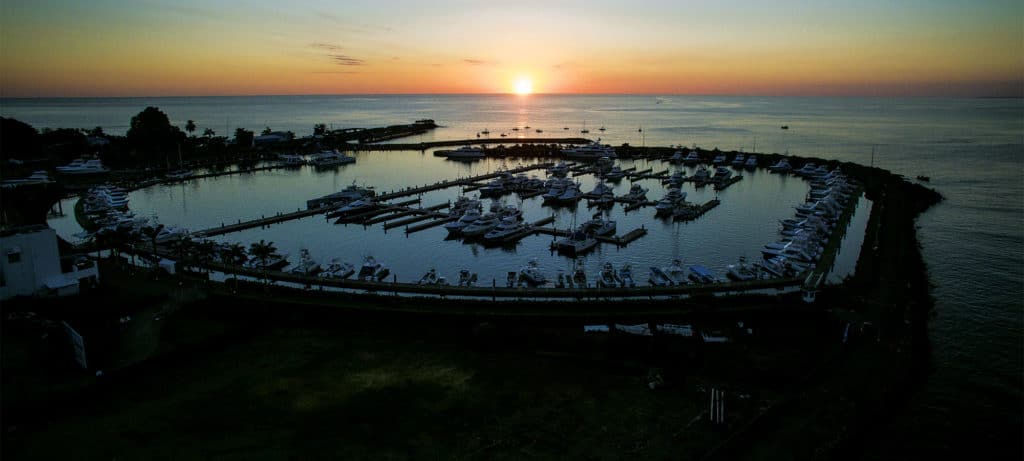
pixel 524 85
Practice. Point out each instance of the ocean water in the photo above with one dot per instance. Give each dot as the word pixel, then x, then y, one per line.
pixel 973 242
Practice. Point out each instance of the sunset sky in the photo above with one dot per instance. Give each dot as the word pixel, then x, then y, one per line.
pixel 153 48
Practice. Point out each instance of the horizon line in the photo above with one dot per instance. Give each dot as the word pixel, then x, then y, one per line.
pixel 750 95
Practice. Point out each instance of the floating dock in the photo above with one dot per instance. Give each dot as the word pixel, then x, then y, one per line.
pixel 728 182
pixel 691 212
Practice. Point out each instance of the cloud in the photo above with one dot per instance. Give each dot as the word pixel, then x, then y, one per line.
pixel 334 72
pixel 326 46
pixel 338 58
pixel 344 60
pixel 475 62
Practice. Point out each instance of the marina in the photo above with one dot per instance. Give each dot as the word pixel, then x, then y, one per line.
pixel 397 209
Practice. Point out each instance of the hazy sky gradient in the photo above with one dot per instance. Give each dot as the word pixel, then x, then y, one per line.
pixel 150 47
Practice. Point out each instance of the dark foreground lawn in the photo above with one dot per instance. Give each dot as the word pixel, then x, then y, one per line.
pixel 300 392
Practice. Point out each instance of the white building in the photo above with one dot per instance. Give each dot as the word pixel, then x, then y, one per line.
pixel 30 265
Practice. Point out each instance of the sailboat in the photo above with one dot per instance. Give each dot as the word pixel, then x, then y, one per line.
pixel 180 173
pixel 584 130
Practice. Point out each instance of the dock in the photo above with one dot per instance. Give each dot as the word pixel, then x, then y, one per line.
pixel 728 182
pixel 691 212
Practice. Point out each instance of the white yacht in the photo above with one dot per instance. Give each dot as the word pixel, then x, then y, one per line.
pixel 692 158
pixel 306 265
pixel 676 157
pixel 337 270
pixel 480 226
pixel 722 174
pixel 432 278
pixel 178 174
pixel 577 243
pixel 599 226
pixel 469 217
pixel 373 270
pixel 591 151
pixel 673 197
pixel 615 174
pixel 169 233
pixel 37 177
pixel 465 153
pixel 362 204
pixel 751 162
pixel 600 189
pixel 702 175
pixel 636 192
pixel 82 167
pixel 532 273
pixel 742 271
pixel 559 169
pixel 571 194
pixel 719 159
pixel 782 166
pixel 739 160
pixel 607 276
pixel 291 160
pixel 701 274
pixel 506 228
pixel 330 158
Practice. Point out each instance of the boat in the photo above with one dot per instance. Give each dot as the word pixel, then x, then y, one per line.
pixel 600 189
pixel 784 127
pixel 539 130
pixel 676 180
pixel 486 131
pixel 782 166
pixel 676 157
pixel 615 174
pixel 329 158
pixel 701 274
pixel 463 153
pixel 924 178
pixel 83 167
pixel 599 226
pixel 37 177
pixel 432 278
pixel 532 273
pixel 273 262
pixel 372 270
pixel 590 151
pixel 659 278
pixel 636 193
pixel 289 160
pixel 722 174
pixel 570 194
pixel 601 129
pixel 178 174
pixel 559 169
pixel 625 277
pixel 506 228
pixel 718 160
pixel 576 243
pixel 480 226
pixel 751 162
pixel 738 160
pixel 169 233
pixel 337 270
pixel 469 217
pixel 467 278
pixel 607 277
pixel 742 271
pixel 692 158
pixel 672 198
pixel 306 265
pixel 579 278
pixel 701 176
pixel 584 130
pixel 676 272
pixel 349 194
pixel 605 200
pixel 363 204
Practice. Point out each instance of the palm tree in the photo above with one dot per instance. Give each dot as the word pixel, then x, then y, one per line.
pixel 183 246
pixel 205 250
pixel 266 131
pixel 190 127
pixel 151 232
pixel 263 251
pixel 209 133
pixel 233 254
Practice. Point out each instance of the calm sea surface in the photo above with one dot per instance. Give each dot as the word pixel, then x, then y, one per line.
pixel 973 243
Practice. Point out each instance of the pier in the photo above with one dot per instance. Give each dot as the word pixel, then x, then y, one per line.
pixel 691 212
pixel 465 142
pixel 725 184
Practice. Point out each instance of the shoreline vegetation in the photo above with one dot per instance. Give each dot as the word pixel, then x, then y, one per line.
pixel 243 376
